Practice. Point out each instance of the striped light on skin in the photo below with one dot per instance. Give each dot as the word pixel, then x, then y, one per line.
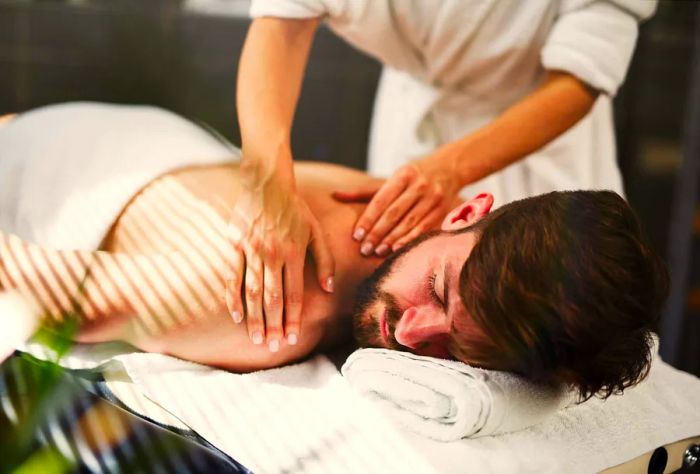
pixel 178 279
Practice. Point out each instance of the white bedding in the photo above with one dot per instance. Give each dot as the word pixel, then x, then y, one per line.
pixel 67 170
pixel 584 438
pixel 268 419
pixel 303 418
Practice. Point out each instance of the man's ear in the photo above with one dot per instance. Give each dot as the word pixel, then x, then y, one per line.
pixel 424 331
pixel 468 212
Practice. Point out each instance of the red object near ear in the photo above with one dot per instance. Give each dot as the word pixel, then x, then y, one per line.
pixel 463 214
pixel 468 212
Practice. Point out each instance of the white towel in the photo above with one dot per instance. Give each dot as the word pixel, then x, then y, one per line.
pixel 300 418
pixel 67 170
pixel 295 419
pixel 448 400
pixel 586 437
pixel 309 412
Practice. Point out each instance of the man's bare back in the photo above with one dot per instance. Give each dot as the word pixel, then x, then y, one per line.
pixel 158 279
pixel 187 211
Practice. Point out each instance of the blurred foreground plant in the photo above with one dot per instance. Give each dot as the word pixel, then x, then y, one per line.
pixel 30 389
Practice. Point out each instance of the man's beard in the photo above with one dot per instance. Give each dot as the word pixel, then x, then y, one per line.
pixel 366 326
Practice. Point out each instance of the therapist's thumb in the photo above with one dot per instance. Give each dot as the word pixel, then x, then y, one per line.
pixel 325 263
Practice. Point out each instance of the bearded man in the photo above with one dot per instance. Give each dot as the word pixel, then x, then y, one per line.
pixel 561 288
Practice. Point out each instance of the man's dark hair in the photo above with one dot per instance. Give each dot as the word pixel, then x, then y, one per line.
pixel 562 288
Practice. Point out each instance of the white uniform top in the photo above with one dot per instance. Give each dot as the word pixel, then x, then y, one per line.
pixel 453 66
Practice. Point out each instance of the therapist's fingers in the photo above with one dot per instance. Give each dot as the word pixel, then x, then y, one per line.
pixel 293 298
pixel 272 305
pixel 325 262
pixel 389 191
pixel 233 276
pixel 388 221
pixel 434 216
pixel 253 294
pixel 413 223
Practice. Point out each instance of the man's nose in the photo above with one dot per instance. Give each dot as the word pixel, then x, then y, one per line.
pixel 419 324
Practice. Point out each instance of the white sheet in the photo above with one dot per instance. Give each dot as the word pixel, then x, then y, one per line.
pixel 240 414
pixel 302 418
pixel 584 438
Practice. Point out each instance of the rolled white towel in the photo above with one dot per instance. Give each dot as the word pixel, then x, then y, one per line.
pixel 448 400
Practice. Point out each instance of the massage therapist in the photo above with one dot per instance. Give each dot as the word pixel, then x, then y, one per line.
pixel 500 96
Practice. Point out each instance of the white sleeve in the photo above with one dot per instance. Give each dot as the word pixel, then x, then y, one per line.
pixel 594 40
pixel 296 8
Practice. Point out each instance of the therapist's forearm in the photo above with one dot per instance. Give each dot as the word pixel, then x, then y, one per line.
pixel 557 105
pixel 270 75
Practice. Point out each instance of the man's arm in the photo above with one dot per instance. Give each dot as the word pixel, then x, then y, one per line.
pixel 159 303
pixel 113 296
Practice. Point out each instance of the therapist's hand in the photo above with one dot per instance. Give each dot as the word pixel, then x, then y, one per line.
pixel 415 199
pixel 270 229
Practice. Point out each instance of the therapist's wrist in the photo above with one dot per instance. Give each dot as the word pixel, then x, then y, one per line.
pixel 455 160
pixel 259 166
pixel 473 157
pixel 439 169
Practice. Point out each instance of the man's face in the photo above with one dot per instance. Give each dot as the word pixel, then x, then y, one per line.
pixel 410 301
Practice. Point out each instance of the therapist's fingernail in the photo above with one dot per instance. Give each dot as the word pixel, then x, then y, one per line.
pixel 274 345
pixel 329 284
pixel 292 339
pixel 382 249
pixel 366 249
pixel 257 337
pixel 237 317
pixel 359 234
pixel 396 247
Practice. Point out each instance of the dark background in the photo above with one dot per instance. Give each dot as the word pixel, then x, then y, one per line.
pixel 168 54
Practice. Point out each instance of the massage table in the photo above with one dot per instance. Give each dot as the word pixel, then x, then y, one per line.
pixel 664 459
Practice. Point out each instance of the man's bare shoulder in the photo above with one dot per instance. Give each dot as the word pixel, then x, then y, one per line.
pixel 218 185
pixel 331 176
